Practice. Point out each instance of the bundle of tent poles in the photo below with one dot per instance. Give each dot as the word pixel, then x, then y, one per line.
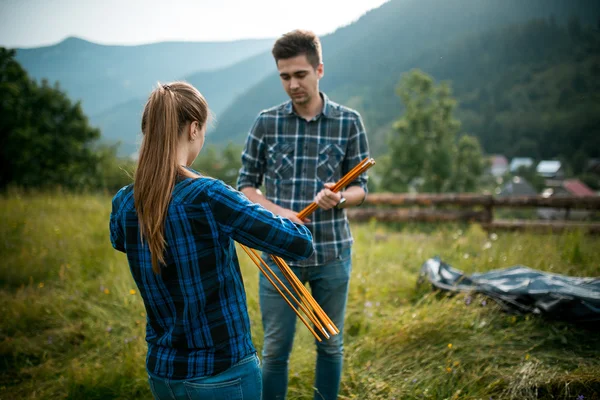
pixel 302 299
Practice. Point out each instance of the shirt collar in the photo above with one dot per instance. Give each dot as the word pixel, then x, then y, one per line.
pixel 327 110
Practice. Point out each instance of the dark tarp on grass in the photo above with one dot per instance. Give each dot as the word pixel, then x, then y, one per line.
pixel 525 290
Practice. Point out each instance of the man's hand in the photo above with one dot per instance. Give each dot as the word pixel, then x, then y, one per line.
pixel 292 216
pixel 326 199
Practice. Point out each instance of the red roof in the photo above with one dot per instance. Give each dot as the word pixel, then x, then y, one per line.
pixel 499 161
pixel 577 188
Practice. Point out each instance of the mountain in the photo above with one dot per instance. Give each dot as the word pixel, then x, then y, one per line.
pixel 364 61
pixel 103 76
pixel 530 90
pixel 220 88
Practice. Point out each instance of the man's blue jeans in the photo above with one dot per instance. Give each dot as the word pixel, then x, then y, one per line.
pixel 240 382
pixel 329 286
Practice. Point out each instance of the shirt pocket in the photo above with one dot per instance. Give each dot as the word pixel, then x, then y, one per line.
pixel 329 160
pixel 281 160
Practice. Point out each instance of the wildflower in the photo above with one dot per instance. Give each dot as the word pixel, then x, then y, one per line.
pixel 487 245
pixel 526 356
pixel 49 340
pixel 414 380
pixel 580 397
pixel 456 363
pixel 483 303
pixel 449 345
pixel 493 236
pixel 513 319
pixel 448 369
pixel 131 291
pixel 368 304
pixel 109 329
pixel 106 291
pixel 465 256
pixel 41 285
pixel 468 300
pixel 131 339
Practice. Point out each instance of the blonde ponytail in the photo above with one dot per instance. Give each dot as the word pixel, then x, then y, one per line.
pixel 168 110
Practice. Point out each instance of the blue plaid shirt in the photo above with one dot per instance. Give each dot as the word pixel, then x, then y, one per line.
pixel 197 320
pixel 296 157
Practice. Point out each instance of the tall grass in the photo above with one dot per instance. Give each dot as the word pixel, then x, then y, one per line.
pixel 73 322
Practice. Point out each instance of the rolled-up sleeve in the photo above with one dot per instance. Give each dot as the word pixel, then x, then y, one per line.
pixel 357 150
pixel 253 157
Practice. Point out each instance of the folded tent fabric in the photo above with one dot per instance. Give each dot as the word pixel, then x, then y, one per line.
pixel 525 290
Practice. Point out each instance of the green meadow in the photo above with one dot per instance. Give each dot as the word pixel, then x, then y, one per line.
pixel 73 323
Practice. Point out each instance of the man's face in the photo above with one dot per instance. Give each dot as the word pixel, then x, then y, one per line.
pixel 300 80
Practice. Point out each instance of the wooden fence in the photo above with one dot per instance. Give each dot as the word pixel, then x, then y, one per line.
pixel 392 207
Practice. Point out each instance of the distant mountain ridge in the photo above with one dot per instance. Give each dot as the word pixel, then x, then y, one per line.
pixel 102 76
pixel 122 122
pixel 363 63
pixel 364 60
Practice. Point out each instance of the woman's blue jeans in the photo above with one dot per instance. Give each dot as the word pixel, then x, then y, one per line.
pixel 240 382
pixel 329 286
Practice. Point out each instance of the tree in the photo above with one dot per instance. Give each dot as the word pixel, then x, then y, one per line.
pixel 574 27
pixel 468 166
pixel 113 172
pixel 45 139
pixel 424 152
pixel 224 166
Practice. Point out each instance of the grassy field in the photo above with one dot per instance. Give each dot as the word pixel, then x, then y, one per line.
pixel 73 323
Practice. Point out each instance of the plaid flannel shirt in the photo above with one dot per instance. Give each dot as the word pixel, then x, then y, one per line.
pixel 295 157
pixel 197 320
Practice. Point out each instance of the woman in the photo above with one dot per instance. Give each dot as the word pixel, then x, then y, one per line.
pixel 178 230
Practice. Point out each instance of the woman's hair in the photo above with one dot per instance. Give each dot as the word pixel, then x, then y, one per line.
pixel 167 113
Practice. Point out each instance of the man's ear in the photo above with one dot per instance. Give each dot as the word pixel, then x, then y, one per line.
pixel 320 70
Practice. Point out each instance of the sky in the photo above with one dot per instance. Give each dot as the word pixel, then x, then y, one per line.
pixel 33 23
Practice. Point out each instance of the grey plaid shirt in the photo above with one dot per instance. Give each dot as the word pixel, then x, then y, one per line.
pixel 296 157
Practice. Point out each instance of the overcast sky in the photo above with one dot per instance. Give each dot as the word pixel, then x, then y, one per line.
pixel 32 23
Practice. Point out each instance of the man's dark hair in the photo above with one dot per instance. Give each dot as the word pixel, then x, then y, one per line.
pixel 296 43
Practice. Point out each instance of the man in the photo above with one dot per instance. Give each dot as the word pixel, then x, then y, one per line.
pixel 301 148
